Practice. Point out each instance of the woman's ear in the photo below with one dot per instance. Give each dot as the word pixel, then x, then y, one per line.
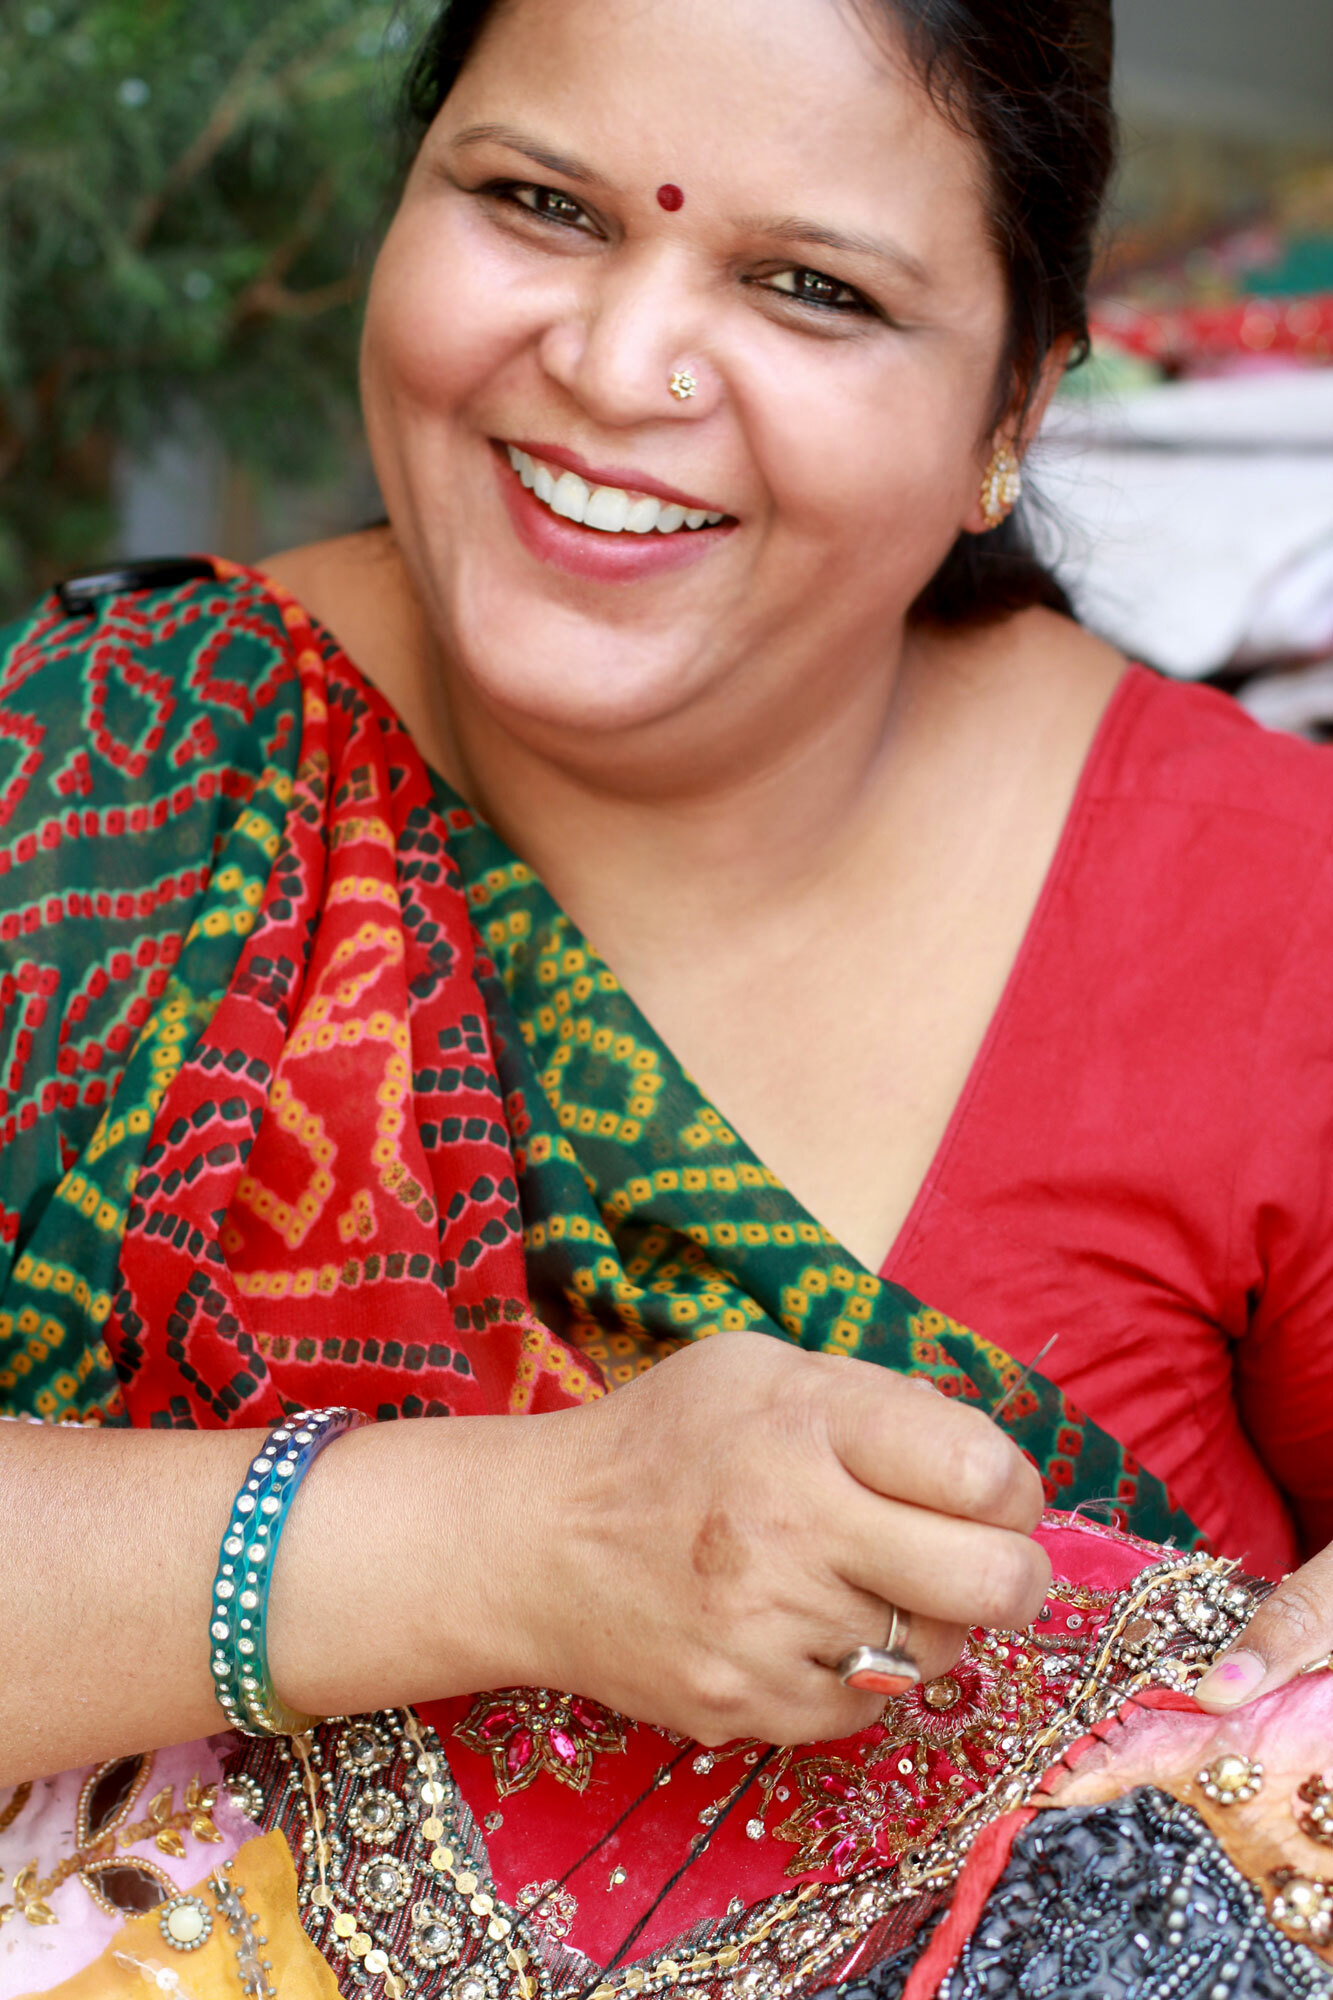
pixel 1017 429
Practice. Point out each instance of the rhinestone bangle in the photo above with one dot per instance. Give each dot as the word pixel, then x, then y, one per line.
pixel 245 1570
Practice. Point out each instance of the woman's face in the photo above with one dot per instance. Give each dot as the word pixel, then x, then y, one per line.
pixel 829 283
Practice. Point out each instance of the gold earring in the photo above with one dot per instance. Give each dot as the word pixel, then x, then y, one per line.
pixel 1002 487
pixel 683 385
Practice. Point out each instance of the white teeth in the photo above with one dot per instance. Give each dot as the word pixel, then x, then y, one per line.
pixel 608 508
pixel 571 496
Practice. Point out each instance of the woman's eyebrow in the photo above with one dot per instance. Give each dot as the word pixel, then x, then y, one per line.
pixel 532 149
pixel 800 229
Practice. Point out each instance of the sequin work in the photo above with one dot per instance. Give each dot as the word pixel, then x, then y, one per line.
pixel 399 1853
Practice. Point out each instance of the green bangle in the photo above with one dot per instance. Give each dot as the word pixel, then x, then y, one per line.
pixel 245 1570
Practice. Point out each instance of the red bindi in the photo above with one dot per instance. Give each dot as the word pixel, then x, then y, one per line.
pixel 670 197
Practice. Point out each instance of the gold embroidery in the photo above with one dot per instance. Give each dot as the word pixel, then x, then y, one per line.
pixel 119 1883
pixel 977 1744
pixel 839 1818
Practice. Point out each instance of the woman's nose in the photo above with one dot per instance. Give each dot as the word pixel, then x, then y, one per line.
pixel 629 349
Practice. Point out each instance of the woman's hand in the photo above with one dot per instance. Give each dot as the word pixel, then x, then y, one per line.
pixel 703 1546
pixel 1291 1629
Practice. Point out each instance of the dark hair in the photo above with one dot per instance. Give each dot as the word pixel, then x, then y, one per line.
pixel 1030 81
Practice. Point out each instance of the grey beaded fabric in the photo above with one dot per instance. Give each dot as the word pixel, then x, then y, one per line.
pixel 1134 1900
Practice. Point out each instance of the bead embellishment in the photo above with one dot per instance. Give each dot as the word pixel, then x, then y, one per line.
pixel 435 1938
pixel 120 1882
pixel 1020 1700
pixel 247 1939
pixel 186 1922
pixel 1303 1906
pixel 245 1795
pixel 1314 1814
pixel 383 1885
pixel 1132 1900
pixel 377 1817
pixel 526 1731
pixel 364 1747
pixel 1232 1780
pixel 552 1907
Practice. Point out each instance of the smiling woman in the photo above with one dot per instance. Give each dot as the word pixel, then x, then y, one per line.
pixel 588 960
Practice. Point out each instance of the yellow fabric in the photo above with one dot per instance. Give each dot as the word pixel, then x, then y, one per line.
pixel 263 1868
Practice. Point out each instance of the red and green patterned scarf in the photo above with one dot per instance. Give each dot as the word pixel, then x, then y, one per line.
pixel 311 1094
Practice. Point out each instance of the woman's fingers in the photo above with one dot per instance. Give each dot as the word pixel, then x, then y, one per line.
pixel 895 1436
pixel 864 1620
pixel 810 1704
pixel 827 1710
pixel 1291 1629
pixel 955 1572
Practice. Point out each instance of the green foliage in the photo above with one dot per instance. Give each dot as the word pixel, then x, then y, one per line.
pixel 189 192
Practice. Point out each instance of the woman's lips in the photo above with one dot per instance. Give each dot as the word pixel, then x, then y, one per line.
pixel 591 553
pixel 616 475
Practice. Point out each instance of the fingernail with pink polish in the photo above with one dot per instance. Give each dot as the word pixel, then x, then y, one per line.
pixel 1231 1681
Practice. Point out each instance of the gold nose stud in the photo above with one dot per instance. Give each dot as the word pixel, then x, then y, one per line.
pixel 683 385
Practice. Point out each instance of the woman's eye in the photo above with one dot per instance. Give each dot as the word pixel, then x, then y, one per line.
pixel 812 288
pixel 550 204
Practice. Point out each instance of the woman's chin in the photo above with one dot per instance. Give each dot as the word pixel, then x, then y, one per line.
pixel 558 673
pixel 570 698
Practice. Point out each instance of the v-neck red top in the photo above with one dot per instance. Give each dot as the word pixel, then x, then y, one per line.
pixel 1142 1160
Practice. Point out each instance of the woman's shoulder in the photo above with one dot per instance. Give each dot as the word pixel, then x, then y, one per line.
pixel 165 635
pixel 1211 838
pixel 1191 748
pixel 141 700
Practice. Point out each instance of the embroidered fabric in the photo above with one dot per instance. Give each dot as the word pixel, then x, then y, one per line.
pixel 465 1810
pixel 1134 1900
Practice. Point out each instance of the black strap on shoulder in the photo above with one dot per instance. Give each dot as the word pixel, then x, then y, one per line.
pixel 79 594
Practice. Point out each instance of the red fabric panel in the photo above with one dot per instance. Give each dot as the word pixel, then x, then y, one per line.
pixel 987 1860
pixel 1142 1160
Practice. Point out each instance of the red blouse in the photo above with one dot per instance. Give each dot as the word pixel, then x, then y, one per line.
pixel 1142 1159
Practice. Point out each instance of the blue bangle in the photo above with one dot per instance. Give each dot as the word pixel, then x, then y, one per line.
pixel 245 1571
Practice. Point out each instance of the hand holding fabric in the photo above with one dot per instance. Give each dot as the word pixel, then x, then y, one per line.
pixel 708 1542
pixel 1291 1630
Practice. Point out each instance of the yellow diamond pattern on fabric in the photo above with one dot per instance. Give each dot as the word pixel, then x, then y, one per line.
pixel 649 1222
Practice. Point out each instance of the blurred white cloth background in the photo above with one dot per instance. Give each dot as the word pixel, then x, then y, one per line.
pixel 1192 524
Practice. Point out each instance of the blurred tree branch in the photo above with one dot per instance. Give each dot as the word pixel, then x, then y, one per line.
pixel 233 107
pixel 189 190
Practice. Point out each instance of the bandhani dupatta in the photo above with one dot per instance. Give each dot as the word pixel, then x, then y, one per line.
pixel 316 1096
pixel 389 1132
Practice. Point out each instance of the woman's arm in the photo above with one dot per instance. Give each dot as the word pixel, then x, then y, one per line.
pixel 696 1550
pixel 107 1559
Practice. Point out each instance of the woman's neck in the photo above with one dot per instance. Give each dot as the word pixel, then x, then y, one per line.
pixel 702 818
